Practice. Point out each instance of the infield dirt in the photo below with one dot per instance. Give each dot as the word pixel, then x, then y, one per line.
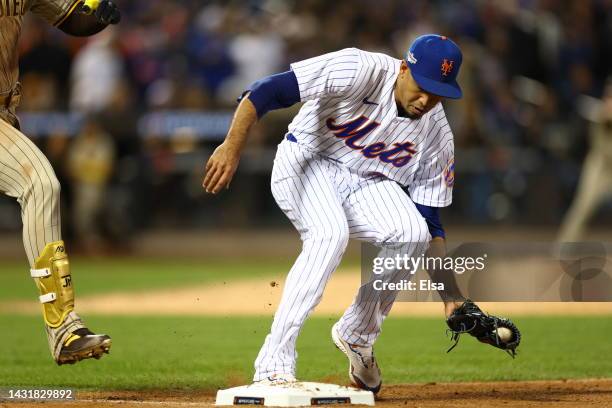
pixel 257 297
pixel 571 393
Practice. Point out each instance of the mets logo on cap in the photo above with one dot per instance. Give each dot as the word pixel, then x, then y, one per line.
pixel 447 67
pixel 434 61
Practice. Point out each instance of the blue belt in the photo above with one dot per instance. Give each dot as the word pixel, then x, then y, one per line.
pixel 290 137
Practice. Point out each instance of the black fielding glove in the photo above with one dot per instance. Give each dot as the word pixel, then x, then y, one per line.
pixel 468 318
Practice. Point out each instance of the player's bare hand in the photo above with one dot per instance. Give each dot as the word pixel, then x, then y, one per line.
pixel 220 168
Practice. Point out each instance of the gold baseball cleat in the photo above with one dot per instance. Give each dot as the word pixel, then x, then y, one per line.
pixel 69 340
pixel 83 344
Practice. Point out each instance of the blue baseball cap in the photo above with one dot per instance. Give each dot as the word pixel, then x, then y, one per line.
pixel 434 62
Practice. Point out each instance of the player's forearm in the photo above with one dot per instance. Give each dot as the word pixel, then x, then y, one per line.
pixel 222 165
pixel 451 293
pixel 244 118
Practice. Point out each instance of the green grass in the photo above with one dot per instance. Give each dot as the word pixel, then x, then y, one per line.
pixel 101 275
pixel 207 353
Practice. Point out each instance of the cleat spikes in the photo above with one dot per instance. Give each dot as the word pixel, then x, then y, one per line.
pixel 88 346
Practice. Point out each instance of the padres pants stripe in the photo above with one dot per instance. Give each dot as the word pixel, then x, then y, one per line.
pixel 26 174
pixel 327 204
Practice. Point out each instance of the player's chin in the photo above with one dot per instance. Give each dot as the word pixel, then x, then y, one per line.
pixel 414 115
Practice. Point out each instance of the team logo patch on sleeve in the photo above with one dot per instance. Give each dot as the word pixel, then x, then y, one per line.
pixel 449 173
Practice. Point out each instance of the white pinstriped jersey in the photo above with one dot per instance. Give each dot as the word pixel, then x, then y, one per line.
pixel 350 115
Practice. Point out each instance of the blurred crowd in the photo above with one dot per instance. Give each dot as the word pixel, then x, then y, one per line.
pixel 532 72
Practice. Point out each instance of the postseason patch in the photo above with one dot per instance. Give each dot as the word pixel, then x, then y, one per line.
pixel 449 173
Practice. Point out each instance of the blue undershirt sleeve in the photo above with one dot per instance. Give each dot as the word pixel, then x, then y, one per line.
pixel 432 217
pixel 274 92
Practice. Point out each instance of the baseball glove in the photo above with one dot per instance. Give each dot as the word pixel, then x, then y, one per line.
pixel 468 318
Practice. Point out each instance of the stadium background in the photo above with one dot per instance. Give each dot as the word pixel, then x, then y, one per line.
pixel 129 117
pixel 519 131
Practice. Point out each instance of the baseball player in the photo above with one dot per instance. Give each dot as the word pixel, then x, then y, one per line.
pixel 594 186
pixel 25 174
pixel 369 156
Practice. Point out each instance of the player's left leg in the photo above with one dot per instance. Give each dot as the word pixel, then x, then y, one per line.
pixel 382 213
pixel 378 211
pixel 26 174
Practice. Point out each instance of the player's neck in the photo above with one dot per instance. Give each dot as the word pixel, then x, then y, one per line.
pixel 401 112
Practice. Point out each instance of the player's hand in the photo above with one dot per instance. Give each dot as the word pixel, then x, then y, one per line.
pixel 105 11
pixel 220 168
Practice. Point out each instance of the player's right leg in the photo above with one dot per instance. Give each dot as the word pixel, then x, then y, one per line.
pixel 304 189
pixel 381 213
pixel 26 174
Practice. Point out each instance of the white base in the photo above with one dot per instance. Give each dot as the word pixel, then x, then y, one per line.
pixel 293 395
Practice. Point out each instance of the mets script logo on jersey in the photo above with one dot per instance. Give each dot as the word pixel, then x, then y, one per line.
pixel 399 154
pixel 446 67
pixel 449 173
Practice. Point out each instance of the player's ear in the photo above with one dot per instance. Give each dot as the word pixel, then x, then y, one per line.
pixel 403 67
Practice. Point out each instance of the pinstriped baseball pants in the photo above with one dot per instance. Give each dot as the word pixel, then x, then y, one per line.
pixel 328 204
pixel 26 174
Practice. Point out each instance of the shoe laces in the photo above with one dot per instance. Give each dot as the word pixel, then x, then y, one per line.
pixel 366 355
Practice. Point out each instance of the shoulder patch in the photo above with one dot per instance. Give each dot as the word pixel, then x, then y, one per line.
pixel 449 173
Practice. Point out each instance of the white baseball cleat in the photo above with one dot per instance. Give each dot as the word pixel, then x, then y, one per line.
pixel 277 379
pixel 363 369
